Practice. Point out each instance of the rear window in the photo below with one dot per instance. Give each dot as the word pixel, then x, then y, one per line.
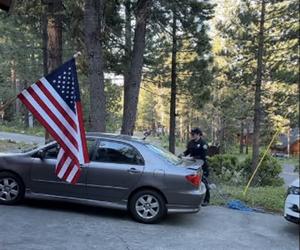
pixel 165 154
pixel 116 152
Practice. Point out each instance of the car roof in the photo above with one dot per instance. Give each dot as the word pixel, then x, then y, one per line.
pixel 116 136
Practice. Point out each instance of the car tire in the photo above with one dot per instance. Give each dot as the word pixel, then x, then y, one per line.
pixel 12 189
pixel 147 206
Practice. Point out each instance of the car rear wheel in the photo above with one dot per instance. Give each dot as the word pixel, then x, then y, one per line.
pixel 147 206
pixel 12 189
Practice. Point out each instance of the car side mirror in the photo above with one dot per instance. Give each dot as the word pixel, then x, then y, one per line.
pixel 41 154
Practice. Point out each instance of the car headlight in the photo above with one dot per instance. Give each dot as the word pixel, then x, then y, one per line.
pixel 293 190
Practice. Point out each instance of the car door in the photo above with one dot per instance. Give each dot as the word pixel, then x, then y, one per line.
pixel 116 167
pixel 44 179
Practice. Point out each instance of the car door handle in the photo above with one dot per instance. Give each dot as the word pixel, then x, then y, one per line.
pixel 133 171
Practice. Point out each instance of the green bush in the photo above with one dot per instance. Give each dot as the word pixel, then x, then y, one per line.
pixel 266 175
pixel 225 168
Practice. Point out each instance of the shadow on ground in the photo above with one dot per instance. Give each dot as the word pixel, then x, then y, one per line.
pixel 97 211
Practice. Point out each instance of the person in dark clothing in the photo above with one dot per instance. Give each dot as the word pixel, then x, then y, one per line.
pixel 197 148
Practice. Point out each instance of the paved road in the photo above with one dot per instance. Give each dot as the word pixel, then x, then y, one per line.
pixel 288 174
pixel 51 225
pixel 21 138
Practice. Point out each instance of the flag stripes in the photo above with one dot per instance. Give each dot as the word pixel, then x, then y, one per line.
pixel 55 102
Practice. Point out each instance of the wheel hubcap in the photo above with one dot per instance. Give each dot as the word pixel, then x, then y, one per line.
pixel 147 206
pixel 9 189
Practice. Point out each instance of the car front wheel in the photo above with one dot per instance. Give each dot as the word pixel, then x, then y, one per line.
pixel 11 189
pixel 147 206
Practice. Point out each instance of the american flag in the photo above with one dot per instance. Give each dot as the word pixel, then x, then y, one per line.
pixel 54 100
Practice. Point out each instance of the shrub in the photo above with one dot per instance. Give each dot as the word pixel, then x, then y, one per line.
pixel 267 174
pixel 225 168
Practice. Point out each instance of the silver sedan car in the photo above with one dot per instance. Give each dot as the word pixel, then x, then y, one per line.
pixel 124 172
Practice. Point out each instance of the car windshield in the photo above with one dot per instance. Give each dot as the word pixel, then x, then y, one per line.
pixel 165 154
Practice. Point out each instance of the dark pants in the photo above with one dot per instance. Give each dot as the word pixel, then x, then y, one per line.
pixel 204 180
pixel 207 194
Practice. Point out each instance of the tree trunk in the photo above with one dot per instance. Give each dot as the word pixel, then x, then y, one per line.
pixel 257 103
pixel 128 43
pixel 132 86
pixel 25 111
pixel 13 76
pixel 18 103
pixel 222 136
pixel 54 34
pixel 247 138
pixel 242 138
pixel 44 24
pixel 172 137
pixel 93 22
pixel 288 140
pixel 54 40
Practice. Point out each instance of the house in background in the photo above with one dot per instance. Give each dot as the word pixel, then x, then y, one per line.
pixel 288 144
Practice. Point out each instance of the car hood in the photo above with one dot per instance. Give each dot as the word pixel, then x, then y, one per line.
pixel 295 183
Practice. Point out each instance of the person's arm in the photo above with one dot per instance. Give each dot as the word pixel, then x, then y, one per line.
pixel 205 166
pixel 205 149
pixel 188 150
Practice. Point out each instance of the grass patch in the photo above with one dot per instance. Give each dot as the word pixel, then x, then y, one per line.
pixel 293 160
pixel 266 198
pixel 37 131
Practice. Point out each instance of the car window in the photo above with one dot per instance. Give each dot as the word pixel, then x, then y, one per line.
pixel 52 152
pixel 90 145
pixel 165 154
pixel 115 152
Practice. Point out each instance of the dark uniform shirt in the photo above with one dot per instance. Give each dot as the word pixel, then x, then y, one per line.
pixel 198 149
